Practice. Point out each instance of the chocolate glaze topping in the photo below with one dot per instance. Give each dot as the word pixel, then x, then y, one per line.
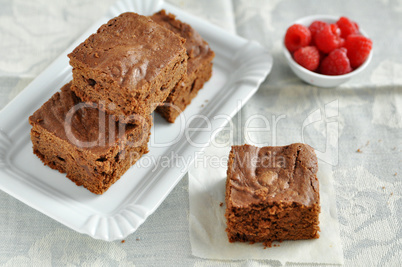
pixel 82 124
pixel 273 174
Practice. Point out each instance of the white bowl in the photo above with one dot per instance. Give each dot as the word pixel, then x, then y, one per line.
pixel 314 78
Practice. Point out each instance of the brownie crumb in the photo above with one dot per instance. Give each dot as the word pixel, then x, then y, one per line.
pixel 138 239
pixel 221 204
pixel 359 150
pixel 267 244
pixel 123 241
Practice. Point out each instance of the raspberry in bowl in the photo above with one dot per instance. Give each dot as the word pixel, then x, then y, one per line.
pixel 325 50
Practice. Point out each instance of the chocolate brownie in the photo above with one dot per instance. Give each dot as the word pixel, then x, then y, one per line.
pixel 199 66
pixel 76 138
pixel 129 66
pixel 272 194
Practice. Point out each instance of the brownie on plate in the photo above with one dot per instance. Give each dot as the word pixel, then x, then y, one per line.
pixel 129 66
pixel 272 194
pixel 88 145
pixel 199 66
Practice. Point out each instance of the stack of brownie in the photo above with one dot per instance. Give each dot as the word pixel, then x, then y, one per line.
pixel 99 124
pixel 199 66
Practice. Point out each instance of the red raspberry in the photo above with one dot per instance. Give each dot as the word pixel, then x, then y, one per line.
pixel 328 38
pixel 335 29
pixel 336 63
pixel 297 36
pixel 341 42
pixel 347 26
pixel 308 57
pixel 356 25
pixel 315 27
pixel 359 48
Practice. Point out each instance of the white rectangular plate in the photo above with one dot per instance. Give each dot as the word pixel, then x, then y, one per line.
pixel 239 68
